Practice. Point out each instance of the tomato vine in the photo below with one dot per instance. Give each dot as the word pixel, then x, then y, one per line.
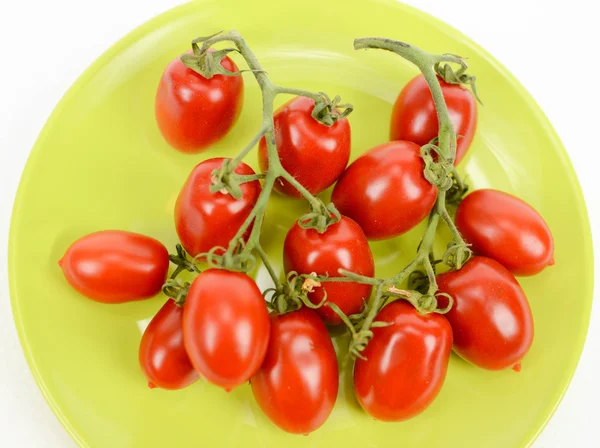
pixel 439 170
pixel 438 157
pixel 238 256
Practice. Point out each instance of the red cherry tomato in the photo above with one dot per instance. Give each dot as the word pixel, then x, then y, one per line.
pixel 385 191
pixel 193 112
pixel 406 363
pixel 115 266
pixel 507 229
pixel 414 117
pixel 491 318
pixel 204 219
pixel 298 382
pixel 162 356
pixel 313 153
pixel 343 245
pixel 225 327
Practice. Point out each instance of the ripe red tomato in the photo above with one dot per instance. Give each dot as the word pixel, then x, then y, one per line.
pixel 406 363
pixel 193 112
pixel 491 318
pixel 203 219
pixel 414 117
pixel 298 382
pixel 225 327
pixel 507 229
pixel 162 355
pixel 343 245
pixel 115 266
pixel 385 191
pixel 313 153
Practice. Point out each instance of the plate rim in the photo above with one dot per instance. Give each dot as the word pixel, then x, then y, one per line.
pixel 148 26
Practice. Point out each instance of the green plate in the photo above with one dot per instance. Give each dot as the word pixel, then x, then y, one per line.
pixel 100 163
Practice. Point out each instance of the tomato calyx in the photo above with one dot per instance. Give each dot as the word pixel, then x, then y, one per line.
pixel 438 170
pixel 321 217
pixel 291 294
pixel 174 288
pixel 240 259
pixel 450 76
pixel 205 61
pixel 457 254
pixel 226 181
pixel 327 111
pixel 208 63
pixel 183 261
pixel 423 303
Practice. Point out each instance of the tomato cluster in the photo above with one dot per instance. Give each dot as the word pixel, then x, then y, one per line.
pixel 221 327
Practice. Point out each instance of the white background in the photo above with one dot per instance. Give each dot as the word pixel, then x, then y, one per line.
pixel 46 45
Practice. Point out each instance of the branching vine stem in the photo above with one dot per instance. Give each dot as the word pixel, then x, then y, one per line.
pixel 321 216
pixel 425 62
pixel 443 175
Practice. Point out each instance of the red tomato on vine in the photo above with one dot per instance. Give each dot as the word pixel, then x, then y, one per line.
pixel 405 365
pixel 414 117
pixel 192 111
pixel 297 385
pixel 162 355
pixel 342 246
pixel 204 219
pixel 315 154
pixel 491 318
pixel 507 229
pixel 385 191
pixel 225 327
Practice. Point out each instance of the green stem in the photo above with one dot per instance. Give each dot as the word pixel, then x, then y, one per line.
pixel 351 277
pixel 456 236
pixel 425 62
pixel 421 259
pixel 178 270
pixel 314 202
pixel 258 209
pixel 298 92
pixel 265 259
pixel 430 277
pixel 235 162
pixel 443 212
pixel 243 178
pixel 336 309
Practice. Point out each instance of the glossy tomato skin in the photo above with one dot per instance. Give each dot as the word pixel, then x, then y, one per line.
pixel 385 191
pixel 343 245
pixel 406 363
pixel 193 112
pixel 414 117
pixel 297 385
pixel 313 153
pixel 491 318
pixel 204 219
pixel 226 327
pixel 507 229
pixel 116 266
pixel 162 355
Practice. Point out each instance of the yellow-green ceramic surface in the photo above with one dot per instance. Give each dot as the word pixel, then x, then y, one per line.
pixel 100 163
